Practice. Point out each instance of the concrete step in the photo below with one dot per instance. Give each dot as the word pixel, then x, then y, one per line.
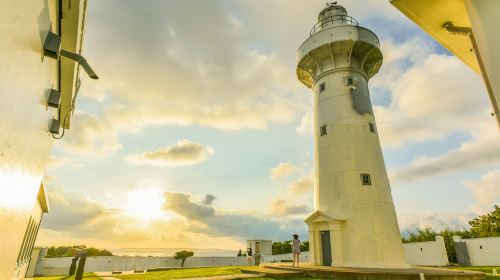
pixel 272 272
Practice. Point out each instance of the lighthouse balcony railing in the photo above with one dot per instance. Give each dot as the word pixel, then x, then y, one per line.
pixel 333 21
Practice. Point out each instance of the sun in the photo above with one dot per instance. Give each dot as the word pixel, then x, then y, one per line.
pixel 145 204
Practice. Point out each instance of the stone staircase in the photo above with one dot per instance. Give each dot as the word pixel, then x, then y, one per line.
pixel 275 272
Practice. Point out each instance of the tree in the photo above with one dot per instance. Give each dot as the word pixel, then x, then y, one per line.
pixel 239 253
pixel 71 251
pixel 183 255
pixel 487 225
pixel 304 247
pixel 425 234
pixel 281 247
pixel 448 234
pixel 284 247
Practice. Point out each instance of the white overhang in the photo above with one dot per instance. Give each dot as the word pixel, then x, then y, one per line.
pixel 72 22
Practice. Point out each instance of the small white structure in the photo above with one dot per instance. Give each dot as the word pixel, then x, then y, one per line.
pixel 429 253
pixel 260 248
pixel 354 221
pixel 478 251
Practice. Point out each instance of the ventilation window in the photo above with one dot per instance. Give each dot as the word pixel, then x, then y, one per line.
pixel 322 87
pixel 481 247
pixel 322 130
pixel 372 127
pixel 365 179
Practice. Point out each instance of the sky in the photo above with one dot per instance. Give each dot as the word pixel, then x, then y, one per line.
pixel 198 133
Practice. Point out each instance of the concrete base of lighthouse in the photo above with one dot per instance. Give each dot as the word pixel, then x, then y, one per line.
pixel 328 238
pixel 325 239
pixel 358 273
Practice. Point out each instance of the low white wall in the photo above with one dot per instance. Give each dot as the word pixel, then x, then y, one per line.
pixel 429 253
pixel 483 251
pixel 60 266
pixel 304 257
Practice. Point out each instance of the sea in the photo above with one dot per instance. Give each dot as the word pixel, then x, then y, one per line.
pixel 169 252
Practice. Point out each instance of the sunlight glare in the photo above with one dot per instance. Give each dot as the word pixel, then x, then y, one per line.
pixel 145 204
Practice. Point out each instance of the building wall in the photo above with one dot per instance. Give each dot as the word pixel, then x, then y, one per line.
pixel 60 266
pixel 36 256
pixel 25 253
pixel 483 251
pixel 430 253
pixel 25 79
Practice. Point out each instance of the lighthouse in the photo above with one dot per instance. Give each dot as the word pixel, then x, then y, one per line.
pixel 354 222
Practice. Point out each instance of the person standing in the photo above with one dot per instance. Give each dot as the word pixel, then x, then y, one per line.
pixel 296 249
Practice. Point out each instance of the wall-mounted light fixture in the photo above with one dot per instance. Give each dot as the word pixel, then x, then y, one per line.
pixel 52 48
pixel 54 98
pixel 54 126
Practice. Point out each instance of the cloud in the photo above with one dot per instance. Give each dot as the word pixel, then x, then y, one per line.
pixel 306 125
pixel 302 185
pixel 228 83
pixel 75 219
pixel 209 198
pixel 435 97
pixel 81 217
pixel 283 170
pixel 181 203
pixel 184 152
pixel 486 192
pixel 409 222
pixel 207 220
pixel 90 135
pixel 482 150
pixel 281 207
pixel 58 161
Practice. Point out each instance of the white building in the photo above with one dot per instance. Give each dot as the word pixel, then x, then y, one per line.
pixel 260 248
pixel 469 30
pixel 478 251
pixel 354 221
pixel 28 80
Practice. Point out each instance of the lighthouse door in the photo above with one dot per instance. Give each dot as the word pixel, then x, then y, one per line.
pixel 326 247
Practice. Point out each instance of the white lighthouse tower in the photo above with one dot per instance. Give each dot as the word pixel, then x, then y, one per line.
pixel 354 221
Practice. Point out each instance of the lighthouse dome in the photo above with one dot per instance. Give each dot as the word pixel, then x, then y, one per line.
pixel 332 10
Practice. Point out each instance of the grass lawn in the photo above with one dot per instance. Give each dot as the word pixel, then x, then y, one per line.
pixel 486 269
pixel 227 270
pixel 292 278
pixel 88 276
pixel 183 273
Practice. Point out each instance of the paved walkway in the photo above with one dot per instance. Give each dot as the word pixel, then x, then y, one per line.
pixel 219 277
pixel 225 277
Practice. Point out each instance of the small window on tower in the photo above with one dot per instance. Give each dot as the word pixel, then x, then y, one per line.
pixel 322 87
pixel 322 130
pixel 349 81
pixel 365 179
pixel 372 127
